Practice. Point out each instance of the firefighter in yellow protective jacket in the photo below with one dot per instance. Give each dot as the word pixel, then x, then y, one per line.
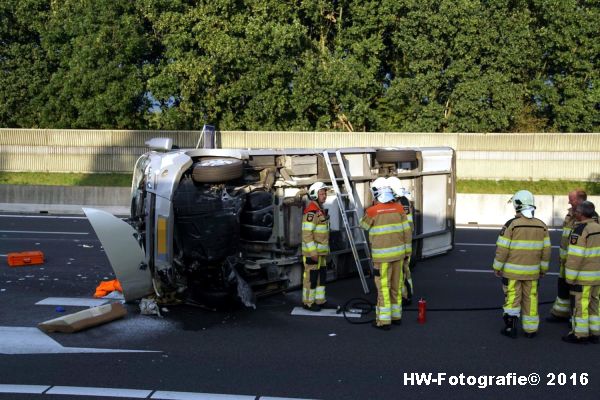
pixel 561 310
pixel 522 257
pixel 582 273
pixel 390 238
pixel 315 248
pixel 400 194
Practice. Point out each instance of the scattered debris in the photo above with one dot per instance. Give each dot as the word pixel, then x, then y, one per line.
pixel 25 258
pixel 60 309
pixel 149 307
pixel 106 287
pixel 84 319
pixel 87 246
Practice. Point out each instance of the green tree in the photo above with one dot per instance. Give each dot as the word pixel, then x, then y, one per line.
pixel 99 50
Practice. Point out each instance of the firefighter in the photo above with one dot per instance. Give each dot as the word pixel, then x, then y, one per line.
pixel 400 194
pixel 315 247
pixel 522 257
pixel 561 308
pixel 389 235
pixel 582 274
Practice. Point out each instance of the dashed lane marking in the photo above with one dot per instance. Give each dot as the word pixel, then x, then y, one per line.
pixel 129 393
pixel 48 232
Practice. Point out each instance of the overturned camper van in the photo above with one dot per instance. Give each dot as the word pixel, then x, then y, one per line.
pixel 216 223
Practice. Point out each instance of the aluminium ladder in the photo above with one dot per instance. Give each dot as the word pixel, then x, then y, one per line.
pixel 356 235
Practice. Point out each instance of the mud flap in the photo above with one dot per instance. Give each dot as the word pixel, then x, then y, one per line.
pixel 244 290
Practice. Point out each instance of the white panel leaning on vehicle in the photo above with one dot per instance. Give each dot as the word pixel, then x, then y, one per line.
pixel 218 224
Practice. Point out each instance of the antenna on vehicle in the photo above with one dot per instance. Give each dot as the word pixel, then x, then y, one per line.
pixel 207 137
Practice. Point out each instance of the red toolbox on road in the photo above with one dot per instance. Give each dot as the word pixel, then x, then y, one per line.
pixel 25 258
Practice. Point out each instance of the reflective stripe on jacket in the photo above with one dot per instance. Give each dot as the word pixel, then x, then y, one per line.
pixel 583 255
pixel 315 231
pixel 523 249
pixel 389 232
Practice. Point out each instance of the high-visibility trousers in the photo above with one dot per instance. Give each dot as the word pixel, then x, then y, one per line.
pixel 313 281
pixel 521 300
pixel 388 280
pixel 585 320
pixel 562 304
pixel 407 287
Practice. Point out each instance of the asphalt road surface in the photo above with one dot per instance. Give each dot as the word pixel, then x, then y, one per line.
pixel 193 353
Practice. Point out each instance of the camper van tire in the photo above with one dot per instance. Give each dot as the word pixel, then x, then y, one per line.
pixel 214 170
pixel 396 155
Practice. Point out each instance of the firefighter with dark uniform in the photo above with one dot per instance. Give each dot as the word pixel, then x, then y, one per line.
pixel 400 194
pixel 582 273
pixel 389 236
pixel 315 248
pixel 561 309
pixel 522 257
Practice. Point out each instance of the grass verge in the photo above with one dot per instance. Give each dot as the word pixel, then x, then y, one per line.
pixel 66 179
pixel 535 187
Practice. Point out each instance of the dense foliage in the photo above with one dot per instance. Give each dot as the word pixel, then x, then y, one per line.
pixel 372 65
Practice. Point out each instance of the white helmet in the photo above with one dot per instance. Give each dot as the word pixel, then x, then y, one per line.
pixel 313 190
pixel 381 190
pixel 524 203
pixel 397 188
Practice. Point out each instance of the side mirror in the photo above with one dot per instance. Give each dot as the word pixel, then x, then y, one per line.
pixel 160 144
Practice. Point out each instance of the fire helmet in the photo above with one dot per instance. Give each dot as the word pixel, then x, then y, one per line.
pixel 313 190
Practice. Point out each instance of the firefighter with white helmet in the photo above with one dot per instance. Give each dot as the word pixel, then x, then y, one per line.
pixel 389 235
pixel 315 247
pixel 522 257
pixel 400 194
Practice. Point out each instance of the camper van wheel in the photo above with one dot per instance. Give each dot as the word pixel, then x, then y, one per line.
pixel 396 155
pixel 215 170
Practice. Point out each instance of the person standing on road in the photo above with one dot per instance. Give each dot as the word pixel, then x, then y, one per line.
pixel 315 248
pixel 390 238
pixel 522 257
pixel 400 195
pixel 582 274
pixel 561 310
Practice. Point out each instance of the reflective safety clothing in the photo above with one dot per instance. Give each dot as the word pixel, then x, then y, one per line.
pixel 523 249
pixel 408 286
pixel 315 231
pixel 388 280
pixel 313 281
pixel 521 300
pixel 582 273
pixel 389 232
pixel 561 307
pixel 390 237
pixel 522 252
pixel 315 242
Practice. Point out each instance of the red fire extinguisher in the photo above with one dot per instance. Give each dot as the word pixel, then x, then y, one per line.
pixel 422 311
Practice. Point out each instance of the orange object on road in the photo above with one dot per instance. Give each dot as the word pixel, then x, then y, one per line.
pixel 106 287
pixel 25 258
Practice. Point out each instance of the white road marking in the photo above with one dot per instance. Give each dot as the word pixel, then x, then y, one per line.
pixel 491 271
pixel 48 232
pixel 30 389
pixel 97 391
pixel 328 312
pixel 163 395
pixel 25 340
pixel 71 301
pixel 488 245
pixel 130 393
pixel 39 216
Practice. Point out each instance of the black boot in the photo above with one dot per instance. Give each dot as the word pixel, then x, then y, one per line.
pixel 510 328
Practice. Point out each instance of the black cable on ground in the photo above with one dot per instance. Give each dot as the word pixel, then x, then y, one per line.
pixel 362 306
